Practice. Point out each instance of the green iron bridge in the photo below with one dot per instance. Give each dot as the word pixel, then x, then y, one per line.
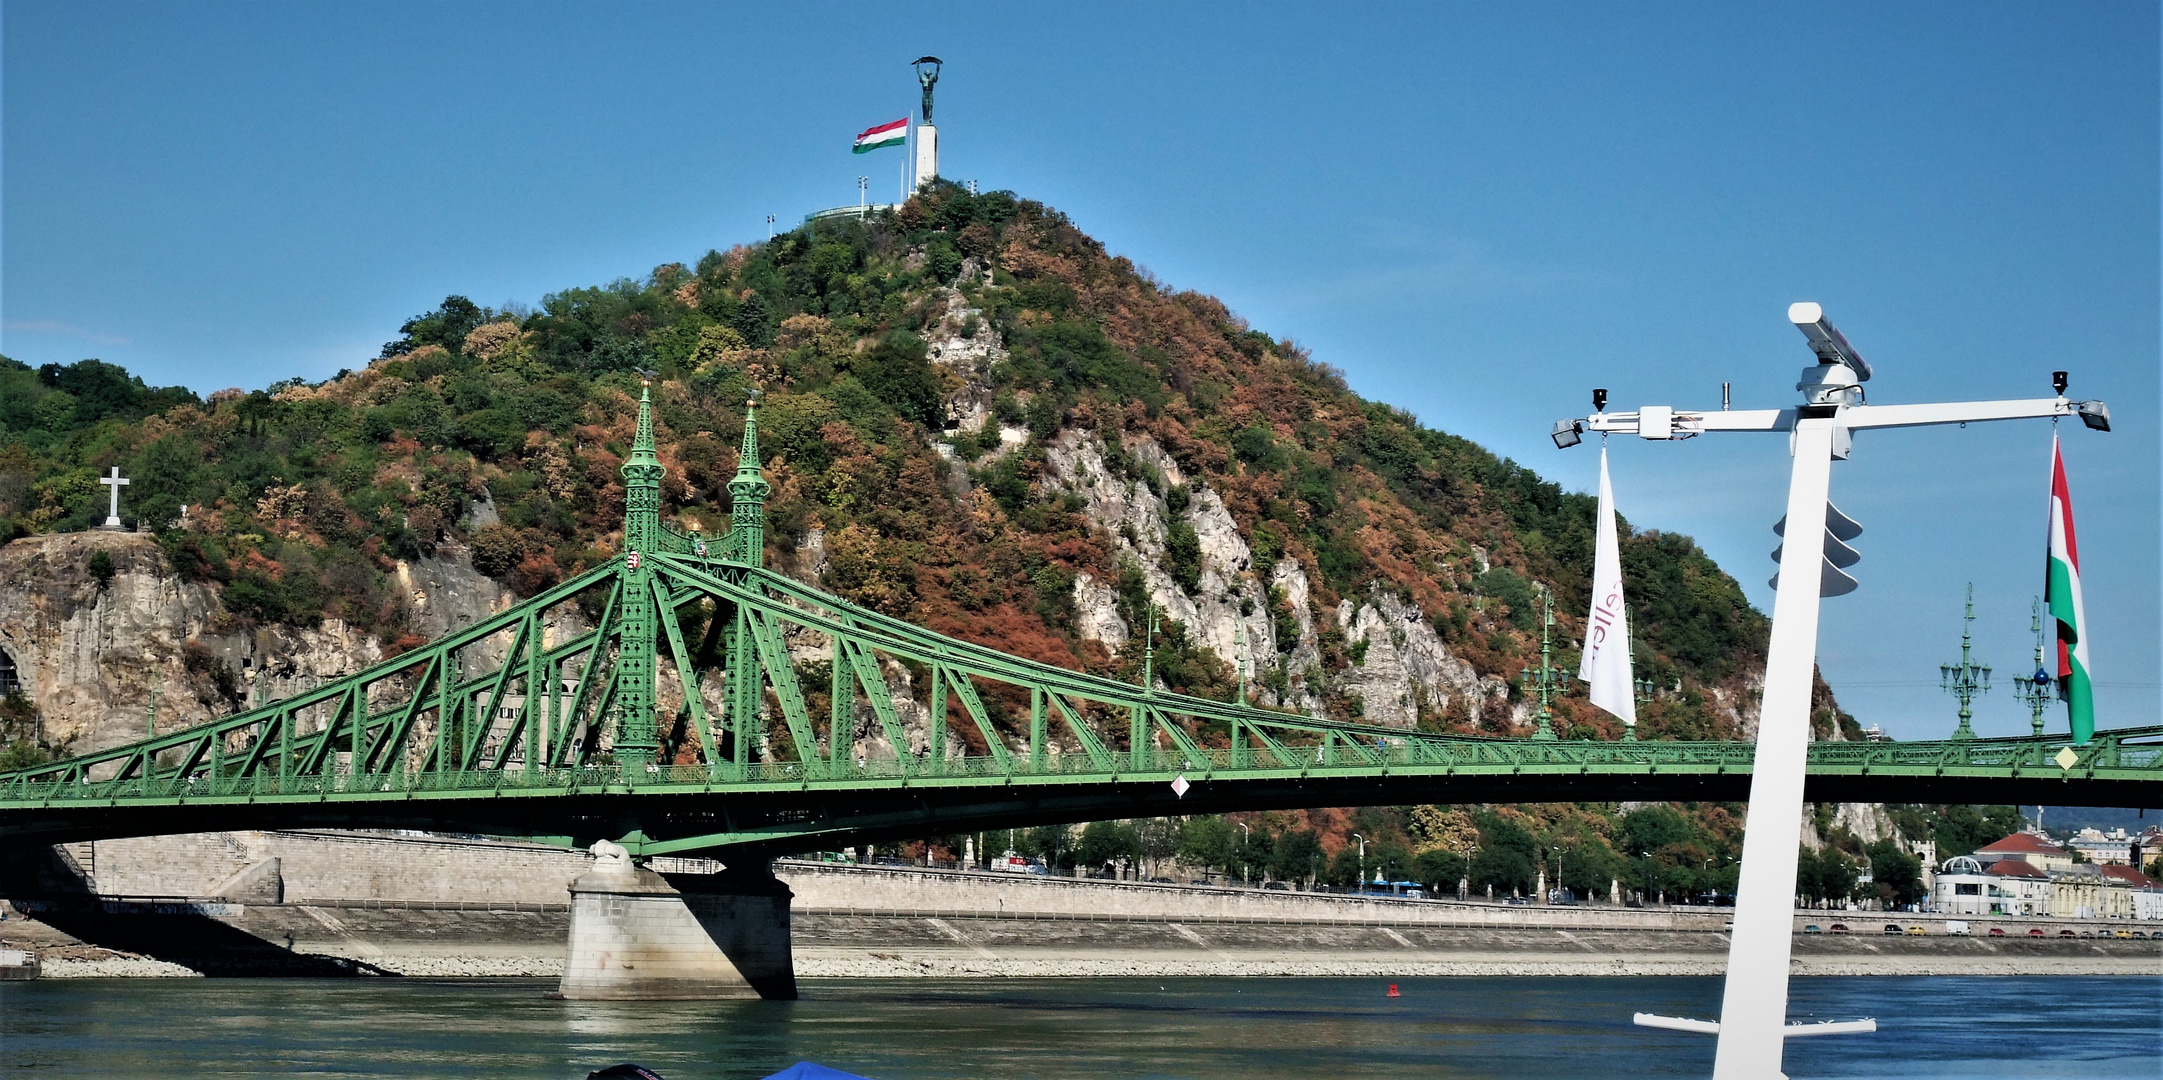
pixel 546 721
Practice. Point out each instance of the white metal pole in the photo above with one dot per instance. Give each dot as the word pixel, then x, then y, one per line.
pixel 1753 1012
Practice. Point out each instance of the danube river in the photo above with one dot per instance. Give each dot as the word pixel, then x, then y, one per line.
pixel 1505 1028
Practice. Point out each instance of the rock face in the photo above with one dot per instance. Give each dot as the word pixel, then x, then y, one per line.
pixel 91 656
pixel 1401 666
pixel 1406 669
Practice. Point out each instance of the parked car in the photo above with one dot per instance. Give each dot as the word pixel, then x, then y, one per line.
pixel 1997 931
pixel 1519 901
pixel 1840 928
pixel 2139 936
pixel 1917 931
pixel 1956 926
pixel 1156 880
pixel 2087 933
pixel 2035 931
pixel 1893 928
pixel 1812 929
pixel 2067 933
pixel 1276 886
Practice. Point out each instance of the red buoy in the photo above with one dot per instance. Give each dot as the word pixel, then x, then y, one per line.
pixel 1393 990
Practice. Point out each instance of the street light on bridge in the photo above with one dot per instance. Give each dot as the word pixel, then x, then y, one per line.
pixel 1966 680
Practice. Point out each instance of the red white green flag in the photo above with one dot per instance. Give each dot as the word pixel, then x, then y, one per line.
pixel 2061 590
pixel 894 133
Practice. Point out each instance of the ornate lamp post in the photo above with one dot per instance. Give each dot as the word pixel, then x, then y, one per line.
pixel 2036 691
pixel 1546 679
pixel 1966 680
pixel 1646 691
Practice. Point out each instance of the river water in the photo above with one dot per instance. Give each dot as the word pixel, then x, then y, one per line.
pixel 1505 1028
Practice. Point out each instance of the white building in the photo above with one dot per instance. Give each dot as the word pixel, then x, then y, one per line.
pixel 2115 846
pixel 2010 887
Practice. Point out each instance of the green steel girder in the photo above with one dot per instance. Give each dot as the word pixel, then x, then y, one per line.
pixel 428 739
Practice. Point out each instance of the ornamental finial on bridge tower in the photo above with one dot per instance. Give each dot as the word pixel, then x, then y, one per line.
pixel 748 492
pixel 642 483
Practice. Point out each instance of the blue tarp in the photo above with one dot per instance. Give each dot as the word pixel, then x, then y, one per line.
pixel 806 1070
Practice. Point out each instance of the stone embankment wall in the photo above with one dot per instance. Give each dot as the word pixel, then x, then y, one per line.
pixel 357 904
pixel 822 887
pixel 336 866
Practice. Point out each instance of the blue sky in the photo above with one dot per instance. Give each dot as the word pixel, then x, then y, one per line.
pixel 1479 212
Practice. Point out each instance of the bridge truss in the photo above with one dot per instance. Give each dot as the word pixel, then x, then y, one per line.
pixel 545 720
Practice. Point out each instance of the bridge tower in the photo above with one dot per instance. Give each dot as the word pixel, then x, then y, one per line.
pixel 747 494
pixel 636 745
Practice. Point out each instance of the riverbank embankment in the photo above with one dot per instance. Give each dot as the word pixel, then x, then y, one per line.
pixel 437 908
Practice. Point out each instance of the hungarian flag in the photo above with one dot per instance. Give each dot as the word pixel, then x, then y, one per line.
pixel 2061 590
pixel 891 134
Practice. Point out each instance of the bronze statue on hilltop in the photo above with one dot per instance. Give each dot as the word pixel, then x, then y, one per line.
pixel 927 73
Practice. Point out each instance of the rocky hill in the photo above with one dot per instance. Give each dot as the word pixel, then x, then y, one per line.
pixel 976 418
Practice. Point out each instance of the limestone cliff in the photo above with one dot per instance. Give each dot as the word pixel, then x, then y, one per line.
pixel 92 656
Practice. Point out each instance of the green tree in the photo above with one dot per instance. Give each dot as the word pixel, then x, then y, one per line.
pixel 1648 829
pixel 1503 868
pixel 1052 843
pixel 1440 870
pixel 101 568
pixel 1294 855
pixel 1897 875
pixel 1104 842
pixel 1207 842
pixel 899 373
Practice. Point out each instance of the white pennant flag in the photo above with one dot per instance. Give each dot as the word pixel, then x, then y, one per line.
pixel 1606 666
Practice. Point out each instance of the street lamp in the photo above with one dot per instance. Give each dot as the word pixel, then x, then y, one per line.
pixel 2039 690
pixel 1545 680
pixel 1647 690
pixel 1966 680
pixel 1362 861
pixel 1246 853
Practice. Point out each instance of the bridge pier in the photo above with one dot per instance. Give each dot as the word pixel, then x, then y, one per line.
pixel 636 934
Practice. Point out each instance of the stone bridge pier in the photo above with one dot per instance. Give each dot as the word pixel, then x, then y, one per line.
pixel 637 934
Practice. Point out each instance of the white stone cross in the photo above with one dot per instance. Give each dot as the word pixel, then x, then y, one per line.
pixel 112 514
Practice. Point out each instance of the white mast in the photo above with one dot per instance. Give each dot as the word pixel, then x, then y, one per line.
pixel 1753 1010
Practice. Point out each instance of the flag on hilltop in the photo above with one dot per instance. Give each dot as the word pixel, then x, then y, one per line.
pixel 1606 664
pixel 890 134
pixel 2061 590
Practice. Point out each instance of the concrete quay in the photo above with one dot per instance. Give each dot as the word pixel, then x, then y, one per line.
pixel 271 903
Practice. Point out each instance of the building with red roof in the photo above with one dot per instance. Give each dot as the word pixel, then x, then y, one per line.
pixel 2037 851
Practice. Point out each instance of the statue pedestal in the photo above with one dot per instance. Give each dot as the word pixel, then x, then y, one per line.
pixel 927 155
pixel 638 935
